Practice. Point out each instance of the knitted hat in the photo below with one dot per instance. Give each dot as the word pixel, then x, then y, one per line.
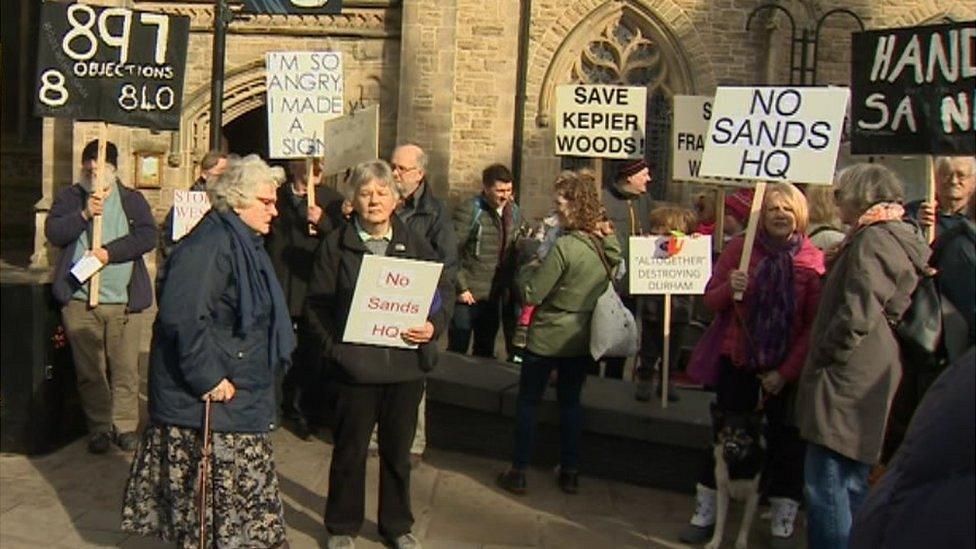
pixel 91 152
pixel 738 204
pixel 630 167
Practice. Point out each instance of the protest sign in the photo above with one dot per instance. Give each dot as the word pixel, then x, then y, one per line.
pixel 775 134
pixel 690 126
pixel 351 139
pixel 304 90
pixel 111 64
pixel 669 265
pixel 600 121
pixel 391 295
pixel 295 7
pixel 189 207
pixel 913 90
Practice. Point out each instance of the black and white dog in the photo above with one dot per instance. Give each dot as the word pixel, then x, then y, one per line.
pixel 739 454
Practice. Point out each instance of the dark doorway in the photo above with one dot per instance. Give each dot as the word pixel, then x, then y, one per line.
pixel 248 133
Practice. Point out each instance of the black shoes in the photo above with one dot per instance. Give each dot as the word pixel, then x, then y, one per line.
pixel 513 481
pixel 99 443
pixel 569 482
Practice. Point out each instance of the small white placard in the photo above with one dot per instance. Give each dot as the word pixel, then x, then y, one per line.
pixel 670 265
pixel 86 267
pixel 189 207
pixel 391 295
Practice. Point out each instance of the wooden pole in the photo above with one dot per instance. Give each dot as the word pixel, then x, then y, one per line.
pixel 98 188
pixel 757 200
pixel 930 197
pixel 310 190
pixel 718 242
pixel 666 352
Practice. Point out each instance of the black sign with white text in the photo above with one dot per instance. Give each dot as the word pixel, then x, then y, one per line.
pixel 111 64
pixel 913 90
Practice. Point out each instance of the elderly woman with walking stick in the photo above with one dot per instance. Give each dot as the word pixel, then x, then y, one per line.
pixel 221 334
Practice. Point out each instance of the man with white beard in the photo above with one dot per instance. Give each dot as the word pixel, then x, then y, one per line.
pixel 104 339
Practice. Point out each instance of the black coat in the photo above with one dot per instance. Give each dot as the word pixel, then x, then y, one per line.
pixel 291 248
pixel 926 498
pixel 196 342
pixel 330 293
pixel 430 218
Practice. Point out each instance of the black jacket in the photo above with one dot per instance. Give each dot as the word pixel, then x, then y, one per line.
pixel 430 218
pixel 196 342
pixel 291 248
pixel 330 292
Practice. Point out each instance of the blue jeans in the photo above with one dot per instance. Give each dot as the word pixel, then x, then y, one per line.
pixel 834 487
pixel 533 380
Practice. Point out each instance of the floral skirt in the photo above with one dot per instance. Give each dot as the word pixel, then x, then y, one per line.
pixel 244 507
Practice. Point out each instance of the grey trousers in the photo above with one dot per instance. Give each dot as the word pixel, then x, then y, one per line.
pixel 105 347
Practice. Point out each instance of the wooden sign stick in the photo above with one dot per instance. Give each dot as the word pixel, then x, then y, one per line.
pixel 930 198
pixel 666 352
pixel 719 236
pixel 98 188
pixel 310 190
pixel 754 210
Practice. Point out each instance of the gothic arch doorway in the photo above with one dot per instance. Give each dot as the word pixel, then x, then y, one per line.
pixel 627 43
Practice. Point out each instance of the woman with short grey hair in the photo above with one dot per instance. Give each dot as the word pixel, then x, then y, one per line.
pixel 241 182
pixel 377 171
pixel 854 366
pixel 221 337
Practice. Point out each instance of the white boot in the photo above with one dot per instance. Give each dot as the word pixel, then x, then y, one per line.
pixel 702 524
pixel 704 506
pixel 783 516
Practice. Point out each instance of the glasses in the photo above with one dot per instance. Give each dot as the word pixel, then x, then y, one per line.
pixel 402 169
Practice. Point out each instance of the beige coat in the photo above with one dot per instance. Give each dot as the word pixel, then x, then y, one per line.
pixel 854 366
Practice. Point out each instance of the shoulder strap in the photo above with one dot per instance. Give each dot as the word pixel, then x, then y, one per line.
pixel 597 247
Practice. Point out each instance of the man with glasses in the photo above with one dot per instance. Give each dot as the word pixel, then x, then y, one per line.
pixel 955 183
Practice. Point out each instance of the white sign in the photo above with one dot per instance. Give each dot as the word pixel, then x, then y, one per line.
pixel 304 90
pixel 775 134
pixel 600 121
pixel 189 207
pixel 351 139
pixel 669 265
pixel 691 115
pixel 391 295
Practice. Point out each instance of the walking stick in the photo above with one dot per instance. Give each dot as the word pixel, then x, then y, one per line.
pixel 203 473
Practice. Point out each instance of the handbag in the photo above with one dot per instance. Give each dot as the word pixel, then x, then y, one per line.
pixel 705 361
pixel 613 330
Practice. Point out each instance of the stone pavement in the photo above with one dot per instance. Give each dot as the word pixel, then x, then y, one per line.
pixel 71 499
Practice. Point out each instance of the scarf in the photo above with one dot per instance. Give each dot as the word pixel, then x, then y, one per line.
pixel 774 301
pixel 880 212
pixel 258 289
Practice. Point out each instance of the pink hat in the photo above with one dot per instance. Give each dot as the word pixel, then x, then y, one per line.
pixel 738 204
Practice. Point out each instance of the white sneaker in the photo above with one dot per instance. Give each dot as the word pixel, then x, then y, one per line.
pixel 340 542
pixel 783 511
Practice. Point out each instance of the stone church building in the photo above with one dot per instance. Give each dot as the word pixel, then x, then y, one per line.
pixel 472 81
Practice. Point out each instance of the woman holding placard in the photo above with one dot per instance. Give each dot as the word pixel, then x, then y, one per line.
pixel 760 344
pixel 374 385
pixel 221 335
pixel 563 291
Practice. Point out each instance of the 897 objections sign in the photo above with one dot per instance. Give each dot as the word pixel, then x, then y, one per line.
pixel 111 64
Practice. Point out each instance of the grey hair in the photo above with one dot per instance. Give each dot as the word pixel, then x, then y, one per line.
pixel 864 185
pixel 943 164
pixel 421 157
pixel 371 170
pixel 238 186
